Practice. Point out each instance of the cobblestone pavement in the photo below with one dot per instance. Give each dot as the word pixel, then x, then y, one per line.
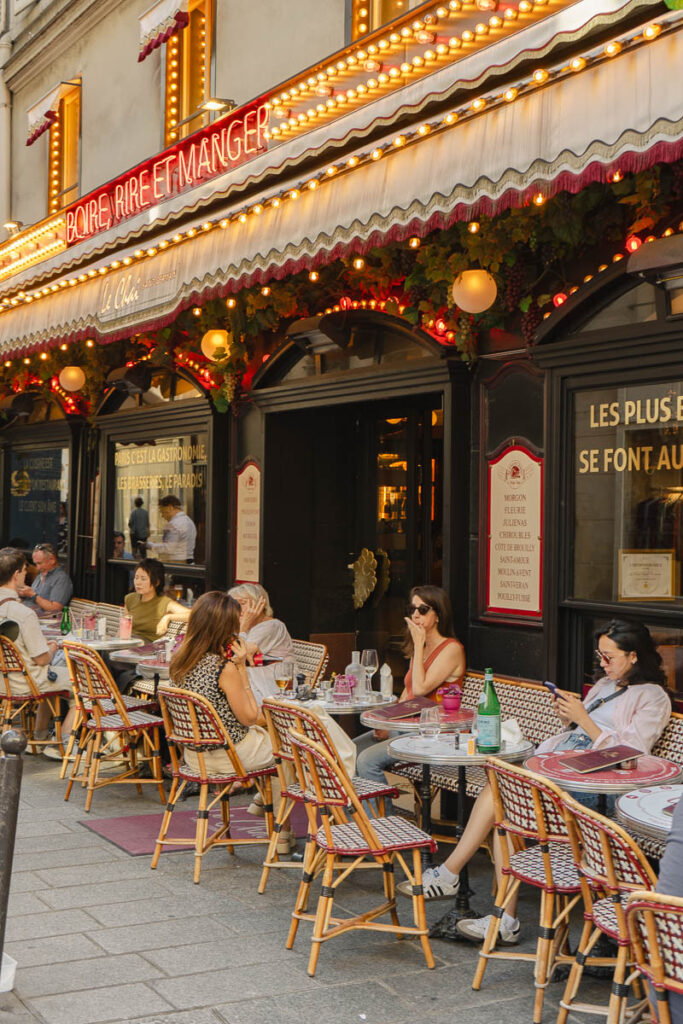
pixel 99 937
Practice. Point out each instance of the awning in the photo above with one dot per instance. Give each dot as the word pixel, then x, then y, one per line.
pixel 45 112
pixel 161 21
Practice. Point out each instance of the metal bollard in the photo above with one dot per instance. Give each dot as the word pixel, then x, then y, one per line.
pixel 13 743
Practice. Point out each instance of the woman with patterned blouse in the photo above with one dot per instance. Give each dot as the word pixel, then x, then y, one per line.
pixel 201 664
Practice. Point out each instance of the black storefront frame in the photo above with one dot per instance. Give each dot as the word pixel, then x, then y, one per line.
pixel 144 426
pixel 639 354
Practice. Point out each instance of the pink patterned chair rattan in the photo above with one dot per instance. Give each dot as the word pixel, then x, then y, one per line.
pixel 611 866
pixel 347 832
pixel 20 709
pixel 528 808
pixel 192 723
pixel 655 924
pixel 109 734
pixel 281 717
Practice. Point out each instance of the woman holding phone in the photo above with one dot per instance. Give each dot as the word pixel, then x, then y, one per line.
pixel 629 703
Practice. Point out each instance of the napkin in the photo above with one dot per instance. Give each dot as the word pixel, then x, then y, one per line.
pixel 510 731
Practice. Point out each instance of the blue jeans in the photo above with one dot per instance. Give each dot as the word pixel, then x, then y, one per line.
pixel 373 760
pixel 591 800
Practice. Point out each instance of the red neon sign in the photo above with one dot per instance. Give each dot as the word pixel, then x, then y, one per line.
pixel 221 146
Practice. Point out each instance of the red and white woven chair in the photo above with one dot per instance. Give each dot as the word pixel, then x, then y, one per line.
pixel 192 723
pixel 109 732
pixel 281 717
pixel 655 924
pixel 347 832
pixel 528 808
pixel 20 709
pixel 612 866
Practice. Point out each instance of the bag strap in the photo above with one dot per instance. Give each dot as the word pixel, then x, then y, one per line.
pixel 6 599
pixel 605 700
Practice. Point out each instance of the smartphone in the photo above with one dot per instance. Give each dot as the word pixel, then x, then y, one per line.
pixel 551 687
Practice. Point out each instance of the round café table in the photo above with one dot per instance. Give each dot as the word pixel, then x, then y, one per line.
pixel 647 814
pixel 102 644
pixel 649 771
pixel 442 750
pixel 337 708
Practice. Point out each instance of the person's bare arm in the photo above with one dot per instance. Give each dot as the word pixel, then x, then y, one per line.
pixel 234 682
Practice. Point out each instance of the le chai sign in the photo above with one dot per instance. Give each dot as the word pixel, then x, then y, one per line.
pixel 231 141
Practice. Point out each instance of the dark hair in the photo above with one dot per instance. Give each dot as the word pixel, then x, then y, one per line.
pixel 634 636
pixel 213 624
pixel 439 601
pixel 117 533
pixel 155 570
pixel 170 499
pixel 11 560
pixel 138 503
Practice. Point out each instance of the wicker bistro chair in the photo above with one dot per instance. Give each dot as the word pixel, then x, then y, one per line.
pixel 84 708
pixel 611 866
pixel 347 832
pixel 147 687
pixel 528 808
pixel 109 731
pixel 81 605
pixel 655 925
pixel 281 717
pixel 192 723
pixel 20 709
pixel 311 659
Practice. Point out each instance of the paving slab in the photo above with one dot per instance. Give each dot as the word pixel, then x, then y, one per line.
pixel 84 974
pixel 106 891
pixel 114 1004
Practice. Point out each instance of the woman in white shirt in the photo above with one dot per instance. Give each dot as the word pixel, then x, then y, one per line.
pixel 263 634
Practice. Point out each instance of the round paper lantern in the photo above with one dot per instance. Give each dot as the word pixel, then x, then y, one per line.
pixel 474 291
pixel 72 378
pixel 216 344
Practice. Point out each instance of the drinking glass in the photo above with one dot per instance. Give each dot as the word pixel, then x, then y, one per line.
pixel 430 722
pixel 77 625
pixel 89 625
pixel 284 675
pixel 125 626
pixel 370 663
pixel 342 690
pixel 325 688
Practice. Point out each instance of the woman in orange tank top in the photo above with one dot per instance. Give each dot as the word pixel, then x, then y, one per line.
pixel 436 657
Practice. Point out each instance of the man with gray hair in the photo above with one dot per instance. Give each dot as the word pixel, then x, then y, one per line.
pixel 52 588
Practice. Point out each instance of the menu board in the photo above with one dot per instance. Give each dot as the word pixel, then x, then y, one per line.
pixel 515 533
pixel 248 528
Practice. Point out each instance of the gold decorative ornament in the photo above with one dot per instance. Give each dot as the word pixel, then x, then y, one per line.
pixel 364 577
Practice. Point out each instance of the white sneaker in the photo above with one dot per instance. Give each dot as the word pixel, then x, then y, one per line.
pixel 434 887
pixel 475 929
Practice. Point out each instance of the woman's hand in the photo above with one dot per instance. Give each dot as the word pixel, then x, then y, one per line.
pixel 417 634
pixel 239 653
pixel 570 708
pixel 380 734
pixel 251 650
pixel 251 614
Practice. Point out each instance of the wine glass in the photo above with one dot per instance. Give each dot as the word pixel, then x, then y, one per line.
pixel 430 722
pixel 284 675
pixel 370 663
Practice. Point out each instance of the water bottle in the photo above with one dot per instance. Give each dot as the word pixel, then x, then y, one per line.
pixel 356 670
pixel 65 625
pixel 488 717
pixel 386 682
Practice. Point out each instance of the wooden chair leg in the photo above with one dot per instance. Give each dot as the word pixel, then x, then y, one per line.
pixel 389 883
pixel 201 830
pixel 94 769
pixel 301 904
pixel 323 913
pixel 543 948
pixel 419 914
pixel 491 937
pixel 589 936
pixel 225 818
pixel 283 815
pixel 617 1001
pixel 165 823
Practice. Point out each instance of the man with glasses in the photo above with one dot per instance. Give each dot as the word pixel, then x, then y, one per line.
pixel 52 588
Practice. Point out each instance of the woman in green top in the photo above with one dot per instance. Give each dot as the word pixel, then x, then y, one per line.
pixel 148 605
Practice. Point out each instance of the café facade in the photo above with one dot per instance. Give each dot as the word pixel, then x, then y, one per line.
pixel 354 446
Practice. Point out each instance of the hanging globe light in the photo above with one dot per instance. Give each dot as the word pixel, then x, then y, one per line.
pixel 474 291
pixel 216 345
pixel 72 378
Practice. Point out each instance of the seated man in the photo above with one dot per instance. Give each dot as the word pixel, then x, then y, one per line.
pixel 31 644
pixel 52 588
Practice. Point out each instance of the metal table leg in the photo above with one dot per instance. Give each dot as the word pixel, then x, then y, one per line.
pixel 445 926
pixel 426 813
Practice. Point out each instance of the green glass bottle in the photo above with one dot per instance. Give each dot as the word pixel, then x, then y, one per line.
pixel 488 717
pixel 65 625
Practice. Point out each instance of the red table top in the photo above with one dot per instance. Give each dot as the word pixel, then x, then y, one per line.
pixel 649 771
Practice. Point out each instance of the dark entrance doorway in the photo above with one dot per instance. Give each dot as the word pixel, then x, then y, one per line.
pixel 341 479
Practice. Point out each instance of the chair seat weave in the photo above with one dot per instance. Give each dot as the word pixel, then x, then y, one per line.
pixel 114 723
pixel 444 777
pixel 193 775
pixel 604 916
pixel 130 704
pixel 20 698
pixel 393 833
pixel 650 846
pixel 528 866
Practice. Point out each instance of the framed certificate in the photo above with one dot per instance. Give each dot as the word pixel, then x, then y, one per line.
pixel 647 575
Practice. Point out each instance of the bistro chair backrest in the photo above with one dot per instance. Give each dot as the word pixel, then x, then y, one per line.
pixel 94 689
pixel 311 658
pixel 526 804
pixel 112 613
pixel 176 628
pixel 605 854
pixel 323 779
pixel 81 606
pixel 191 721
pixel 12 661
pixel 655 925
pixel 286 716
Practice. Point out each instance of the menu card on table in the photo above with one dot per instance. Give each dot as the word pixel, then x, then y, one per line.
pixel 404 709
pixel 594 760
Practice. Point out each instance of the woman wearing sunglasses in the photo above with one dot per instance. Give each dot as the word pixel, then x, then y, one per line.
pixel 629 703
pixel 436 657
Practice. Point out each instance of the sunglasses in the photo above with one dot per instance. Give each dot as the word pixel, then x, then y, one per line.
pixel 607 658
pixel 422 609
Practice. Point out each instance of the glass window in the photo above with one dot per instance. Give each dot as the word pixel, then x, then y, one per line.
pixel 668 640
pixel 188 73
pixel 38 498
pixel 147 473
pixel 628 493
pixel 65 151
pixel 636 306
